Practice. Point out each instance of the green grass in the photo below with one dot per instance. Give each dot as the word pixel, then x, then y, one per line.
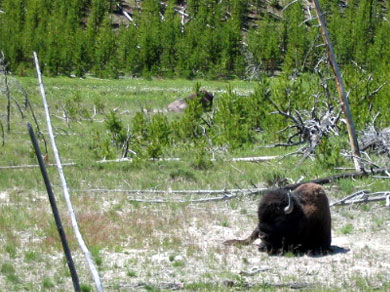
pixel 347 229
pixel 32 256
pixel 86 288
pixel 111 223
pixel 8 270
pixel 131 273
pixel 47 283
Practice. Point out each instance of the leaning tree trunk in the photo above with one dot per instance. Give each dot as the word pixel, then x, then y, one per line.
pixel 340 87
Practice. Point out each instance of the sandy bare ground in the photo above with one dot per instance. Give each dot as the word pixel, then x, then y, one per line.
pixel 189 249
pixel 361 255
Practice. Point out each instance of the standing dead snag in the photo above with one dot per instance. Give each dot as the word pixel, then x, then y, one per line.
pixel 339 85
pixel 2 133
pixel 13 89
pixel 4 71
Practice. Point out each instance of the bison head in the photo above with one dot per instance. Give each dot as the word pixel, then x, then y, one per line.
pixel 281 220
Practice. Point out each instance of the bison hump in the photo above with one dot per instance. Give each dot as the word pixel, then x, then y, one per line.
pixel 178 105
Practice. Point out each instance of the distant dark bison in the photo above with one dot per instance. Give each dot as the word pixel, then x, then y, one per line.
pixel 297 221
pixel 206 99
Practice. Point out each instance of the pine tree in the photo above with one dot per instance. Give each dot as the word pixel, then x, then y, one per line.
pixel 232 57
pixel 128 52
pixel 149 37
pixel 188 52
pixel 53 48
pixel 340 30
pixel 379 53
pixel 265 42
pixel 98 8
pixel 239 12
pixel 105 53
pixel 80 53
pixel 31 39
pixel 11 31
pixel 170 35
pixel 295 37
pixel 363 32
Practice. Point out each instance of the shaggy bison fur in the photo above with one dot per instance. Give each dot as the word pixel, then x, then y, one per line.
pixel 297 221
pixel 206 99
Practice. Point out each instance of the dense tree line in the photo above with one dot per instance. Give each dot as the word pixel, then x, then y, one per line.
pixel 217 40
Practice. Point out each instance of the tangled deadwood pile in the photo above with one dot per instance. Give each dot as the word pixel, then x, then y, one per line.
pixel 309 127
pixel 376 140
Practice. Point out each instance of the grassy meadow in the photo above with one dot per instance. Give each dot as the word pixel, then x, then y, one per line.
pixel 170 246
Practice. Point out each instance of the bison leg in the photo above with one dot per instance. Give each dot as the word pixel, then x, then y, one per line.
pixel 246 241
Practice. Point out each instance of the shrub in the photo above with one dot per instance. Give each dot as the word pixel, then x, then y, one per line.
pixel 202 157
pixel 237 119
pixel 114 124
pixel 328 152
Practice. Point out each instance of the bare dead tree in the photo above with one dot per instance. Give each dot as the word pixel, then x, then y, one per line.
pixel 126 144
pixel 309 127
pixel 4 72
pixel 2 133
pixel 253 69
pixel 13 89
pixel 18 107
pixel 339 84
pixel 377 140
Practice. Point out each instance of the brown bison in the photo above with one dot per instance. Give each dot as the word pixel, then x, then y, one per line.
pixel 297 221
pixel 179 105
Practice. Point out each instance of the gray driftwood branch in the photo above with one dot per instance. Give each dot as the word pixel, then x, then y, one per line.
pixel 129 160
pixel 181 192
pixel 24 166
pixel 227 194
pixel 363 196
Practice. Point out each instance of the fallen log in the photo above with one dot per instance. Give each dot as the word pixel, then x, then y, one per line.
pixel 332 178
pixel 363 196
pixel 234 159
pixel 227 194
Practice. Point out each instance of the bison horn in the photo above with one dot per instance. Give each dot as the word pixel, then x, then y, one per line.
pixel 290 207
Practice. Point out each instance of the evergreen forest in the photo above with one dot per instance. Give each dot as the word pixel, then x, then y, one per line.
pixel 157 192
pixel 217 39
pixel 205 39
